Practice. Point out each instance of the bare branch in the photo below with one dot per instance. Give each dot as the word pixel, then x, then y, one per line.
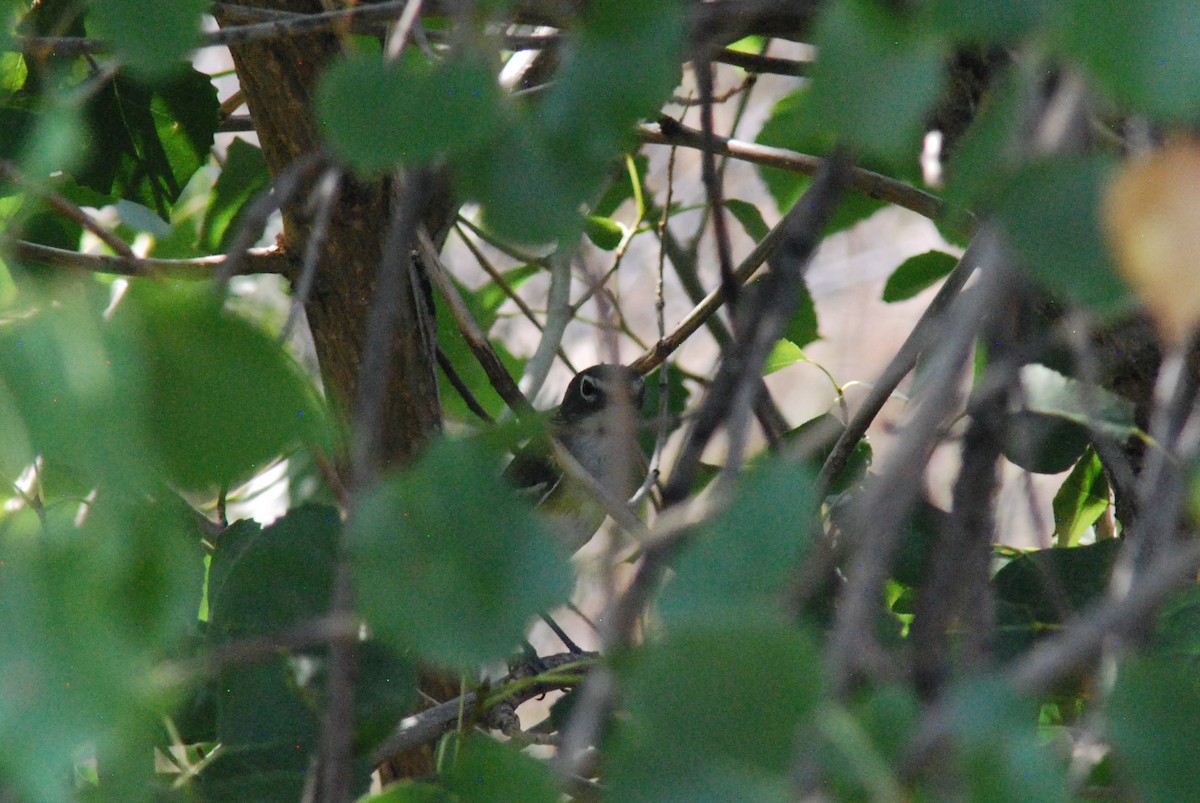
pixel 874 185
pixel 256 260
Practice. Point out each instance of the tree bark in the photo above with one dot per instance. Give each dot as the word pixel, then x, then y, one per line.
pixel 278 78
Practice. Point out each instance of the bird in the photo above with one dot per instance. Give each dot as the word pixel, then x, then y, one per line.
pixel 596 424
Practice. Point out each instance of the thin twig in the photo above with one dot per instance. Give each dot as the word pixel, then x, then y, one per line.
pixel 497 277
pixel 69 210
pixel 463 391
pixel 874 524
pixel 597 695
pixel 875 185
pixel 712 186
pixel 428 725
pixel 558 315
pixel 922 337
pixel 256 260
pixel 284 187
pixel 476 339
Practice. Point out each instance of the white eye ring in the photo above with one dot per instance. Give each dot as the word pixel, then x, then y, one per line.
pixel 587 388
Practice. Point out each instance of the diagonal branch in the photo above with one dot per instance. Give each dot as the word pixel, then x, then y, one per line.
pixel 875 185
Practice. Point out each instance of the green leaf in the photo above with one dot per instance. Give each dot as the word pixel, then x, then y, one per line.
pixel 147 142
pixel 830 428
pixel 449 562
pixel 875 79
pixel 151 44
pixel 378 115
pixel 1178 631
pixel 621 184
pixel 621 67
pixel 605 233
pixel 739 562
pixel 88 611
pixel 1049 430
pixel 794 125
pixel 1049 215
pixel 1053 584
pixel 1152 712
pixel 483 304
pixel 530 193
pixel 981 21
pixel 1142 53
pixel 999 754
pixel 718 711
pixel 803 327
pixel 220 398
pixel 1081 499
pixel 264 580
pixel 783 354
pixel 677 400
pixel 916 274
pixel 748 215
pixel 542 165
pixel 490 772
pixel 243 176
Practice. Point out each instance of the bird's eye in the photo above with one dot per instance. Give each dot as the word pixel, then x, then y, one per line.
pixel 588 389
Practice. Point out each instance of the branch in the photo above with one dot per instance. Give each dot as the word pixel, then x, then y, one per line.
pixel 800 236
pixel 874 185
pixel 257 260
pixel 922 336
pixel 427 726
pixel 476 339
pixel 70 210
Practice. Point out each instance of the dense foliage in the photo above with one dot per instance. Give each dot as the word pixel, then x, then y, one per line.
pixel 804 623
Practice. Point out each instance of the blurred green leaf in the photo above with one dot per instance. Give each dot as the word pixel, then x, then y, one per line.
pixel 543 164
pixel 530 193
pixel 449 562
pixel 243 176
pixel 620 185
pixel 1142 52
pixel 1152 712
pixel 916 274
pixel 999 754
pixel 794 124
pixel 88 610
pixel 263 580
pixel 983 21
pixel 991 151
pixel 490 772
pixel 219 396
pixel 748 215
pixel 147 142
pixel 1049 215
pixel 378 115
pixel 819 436
pixel 1081 499
pixel 1053 584
pixel 153 45
pixel 739 562
pixel 68 405
pixel 1178 630
pixel 605 233
pixel 677 401
pixel 875 79
pixel 718 711
pixel 1048 432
